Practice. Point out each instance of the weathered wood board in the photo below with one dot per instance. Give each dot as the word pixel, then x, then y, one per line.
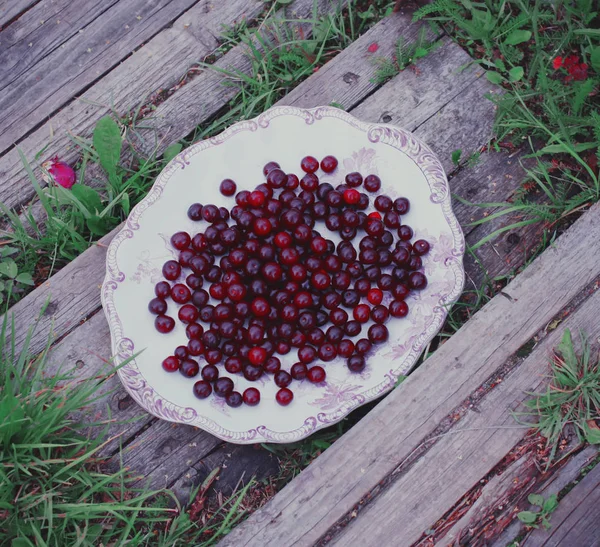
pixel 68 70
pixel 11 9
pixel 157 65
pixel 576 522
pixel 401 423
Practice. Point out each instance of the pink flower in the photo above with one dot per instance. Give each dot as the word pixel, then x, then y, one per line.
pixel 557 63
pixel 59 172
pixel 373 47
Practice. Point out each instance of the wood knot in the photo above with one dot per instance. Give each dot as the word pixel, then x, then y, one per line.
pixel 50 308
pixel 386 118
pixel 350 78
pixel 79 363
pixel 513 239
pixel 125 402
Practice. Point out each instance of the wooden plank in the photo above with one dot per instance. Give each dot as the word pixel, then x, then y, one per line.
pixel 553 484
pixel 40 31
pixel 85 57
pixel 575 522
pixel 206 95
pixel 157 65
pixel 391 432
pixel 465 454
pixel 9 9
pixel 349 77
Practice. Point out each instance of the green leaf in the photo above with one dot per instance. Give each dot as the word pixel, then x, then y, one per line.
pixel 518 37
pixel 20 542
pixel 1 286
pixel 24 278
pixel 420 52
pixel 592 434
pixel 107 142
pixel 323 445
pixel 494 77
pixel 499 64
pixel 171 151
pixel 88 197
pixel 559 148
pixel 527 517
pixel 536 499
pixel 9 268
pixel 515 73
pixel 98 225
pixel 550 504
pixel 456 157
pixel 595 59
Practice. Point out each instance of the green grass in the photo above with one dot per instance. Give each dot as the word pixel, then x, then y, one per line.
pixel 552 113
pixel 571 398
pixel 53 487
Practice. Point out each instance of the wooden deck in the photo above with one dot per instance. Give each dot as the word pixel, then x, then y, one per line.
pixel 439 460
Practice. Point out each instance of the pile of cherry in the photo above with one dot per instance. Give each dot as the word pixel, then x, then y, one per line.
pixel 279 284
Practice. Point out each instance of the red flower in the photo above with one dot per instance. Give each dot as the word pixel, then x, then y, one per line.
pixel 557 62
pixel 579 72
pixel 59 172
pixel 570 61
pixel 373 47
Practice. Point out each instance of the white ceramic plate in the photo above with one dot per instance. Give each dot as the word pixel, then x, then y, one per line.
pixel 407 167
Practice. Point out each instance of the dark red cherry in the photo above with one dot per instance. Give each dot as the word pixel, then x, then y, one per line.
pixel 171 270
pixel 189 368
pixel 417 281
pixel 316 375
pixel 298 371
pixel 398 308
pixel 372 183
pixel 195 212
pixel 356 363
pixel 329 164
pixel 251 396
pixel 354 179
pixel 157 306
pixel 309 164
pixel 223 386
pixel 171 364
pixel 181 240
pixel 164 323
pixel 378 334
pixel 421 247
pixel 234 399
pixel 284 396
pixel 282 378
pixel 202 389
pixel 228 187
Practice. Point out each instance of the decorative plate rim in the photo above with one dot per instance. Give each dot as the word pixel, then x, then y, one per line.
pixel 123 347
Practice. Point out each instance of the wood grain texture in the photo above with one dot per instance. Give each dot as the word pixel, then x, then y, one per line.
pixel 205 95
pixel 84 58
pixel 553 484
pixel 159 64
pixel 576 521
pixel 467 452
pixel 9 9
pixel 348 78
pixel 39 32
pixel 357 462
